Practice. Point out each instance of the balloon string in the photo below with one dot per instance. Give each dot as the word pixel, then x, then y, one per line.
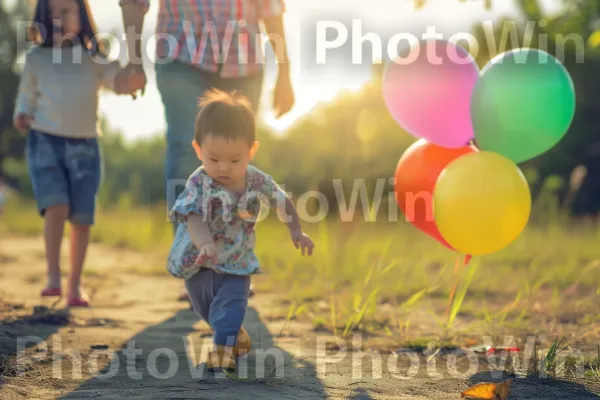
pixel 466 261
pixel 456 264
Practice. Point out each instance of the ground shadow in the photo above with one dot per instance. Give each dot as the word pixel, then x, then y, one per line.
pixel 537 387
pixel 163 361
pixel 27 330
pixel 360 394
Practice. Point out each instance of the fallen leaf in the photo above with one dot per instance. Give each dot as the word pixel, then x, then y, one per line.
pixel 481 391
pixel 488 391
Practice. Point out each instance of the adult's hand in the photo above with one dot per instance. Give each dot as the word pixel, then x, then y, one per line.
pixel 283 95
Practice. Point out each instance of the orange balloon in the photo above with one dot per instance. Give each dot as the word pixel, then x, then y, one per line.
pixel 416 174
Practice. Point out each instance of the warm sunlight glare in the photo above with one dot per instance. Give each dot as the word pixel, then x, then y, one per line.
pixel 313 82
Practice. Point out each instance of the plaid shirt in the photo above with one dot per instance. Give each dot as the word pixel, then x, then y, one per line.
pixel 195 32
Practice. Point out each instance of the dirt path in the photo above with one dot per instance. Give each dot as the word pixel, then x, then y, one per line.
pixel 139 342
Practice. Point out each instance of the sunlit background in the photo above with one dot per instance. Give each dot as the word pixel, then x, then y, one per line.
pixel 373 273
pixel 312 83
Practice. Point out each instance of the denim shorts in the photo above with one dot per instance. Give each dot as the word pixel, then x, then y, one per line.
pixel 64 171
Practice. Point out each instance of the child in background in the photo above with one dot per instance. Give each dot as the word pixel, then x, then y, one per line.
pixel 213 249
pixel 57 105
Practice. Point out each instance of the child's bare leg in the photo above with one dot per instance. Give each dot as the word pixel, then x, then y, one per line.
pixel 80 238
pixel 54 227
pixel 83 163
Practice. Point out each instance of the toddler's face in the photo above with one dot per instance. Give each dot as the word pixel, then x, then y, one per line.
pixel 66 19
pixel 226 160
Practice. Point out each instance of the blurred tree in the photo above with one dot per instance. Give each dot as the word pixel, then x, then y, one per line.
pixel 12 14
pixel 351 144
pixel 572 36
pixel 487 4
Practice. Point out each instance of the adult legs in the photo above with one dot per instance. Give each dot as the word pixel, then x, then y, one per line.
pixel 250 86
pixel 180 86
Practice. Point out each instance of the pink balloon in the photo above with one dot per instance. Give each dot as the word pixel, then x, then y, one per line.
pixel 428 89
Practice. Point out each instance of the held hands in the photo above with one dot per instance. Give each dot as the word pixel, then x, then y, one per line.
pixel 302 241
pixel 22 122
pixel 207 253
pixel 136 79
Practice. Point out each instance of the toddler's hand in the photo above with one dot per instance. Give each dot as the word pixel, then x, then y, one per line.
pixel 301 240
pixel 22 121
pixel 207 252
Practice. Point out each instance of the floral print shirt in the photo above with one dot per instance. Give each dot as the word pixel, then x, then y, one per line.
pixel 231 218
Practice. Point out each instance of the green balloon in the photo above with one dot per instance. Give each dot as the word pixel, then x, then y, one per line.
pixel 523 104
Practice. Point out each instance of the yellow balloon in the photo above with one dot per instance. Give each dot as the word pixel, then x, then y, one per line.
pixel 482 203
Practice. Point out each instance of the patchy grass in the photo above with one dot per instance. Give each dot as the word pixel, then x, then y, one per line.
pixel 388 279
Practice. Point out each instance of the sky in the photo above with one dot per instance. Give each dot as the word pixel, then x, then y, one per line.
pixel 313 82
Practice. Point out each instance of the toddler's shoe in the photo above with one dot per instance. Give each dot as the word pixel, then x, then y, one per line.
pixel 221 359
pixel 243 343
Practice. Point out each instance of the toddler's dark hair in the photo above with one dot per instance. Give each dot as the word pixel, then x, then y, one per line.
pixel 225 114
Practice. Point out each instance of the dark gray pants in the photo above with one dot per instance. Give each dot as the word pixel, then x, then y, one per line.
pixel 221 301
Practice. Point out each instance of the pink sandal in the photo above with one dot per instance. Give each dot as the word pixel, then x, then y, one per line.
pixel 78 302
pixel 51 292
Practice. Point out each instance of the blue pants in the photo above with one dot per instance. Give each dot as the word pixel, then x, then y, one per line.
pixel 221 301
pixel 180 86
pixel 64 171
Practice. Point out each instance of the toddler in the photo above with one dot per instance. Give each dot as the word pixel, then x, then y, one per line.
pixel 57 107
pixel 213 249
